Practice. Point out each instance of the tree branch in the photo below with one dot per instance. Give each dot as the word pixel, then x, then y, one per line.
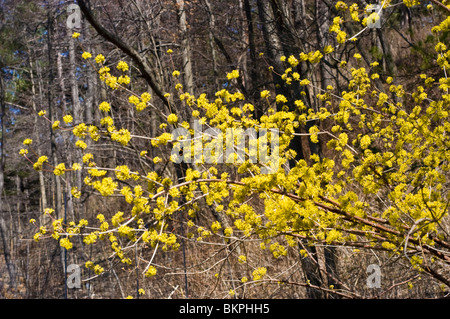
pixel 125 48
pixel 440 4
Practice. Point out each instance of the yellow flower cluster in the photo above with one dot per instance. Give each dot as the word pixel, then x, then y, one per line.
pixel 86 55
pixel 104 107
pixel 410 3
pixel 123 136
pixel 259 273
pixel 81 144
pixel 172 119
pixel 151 271
pixel 65 242
pixel 80 130
pixel 122 66
pixel 100 58
pixel 60 169
pixel 341 36
pixel 41 160
pixel 163 139
pixel 90 239
pixel 106 186
pixel 233 75
pixel 96 268
pixel 68 119
pixel 140 103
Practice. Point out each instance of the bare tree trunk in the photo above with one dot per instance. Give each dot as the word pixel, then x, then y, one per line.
pixel 51 110
pixel 36 134
pixel 211 41
pixel 52 115
pixel 90 95
pixel 279 39
pixel 389 66
pixel 322 23
pixel 251 62
pixel 19 202
pixel 76 105
pixel 69 146
pixel 3 229
pixel 272 40
pixel 61 83
pixel 7 254
pixel 185 44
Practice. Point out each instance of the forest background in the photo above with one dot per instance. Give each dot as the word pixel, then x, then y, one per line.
pixel 94 205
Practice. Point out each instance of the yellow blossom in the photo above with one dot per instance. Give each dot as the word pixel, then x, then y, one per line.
pixel 104 106
pixel 233 75
pixel 86 55
pixel 65 242
pixel 146 97
pixel 123 66
pixel 59 169
pixel 75 192
pixel 172 119
pixel 55 125
pixel 68 119
pixel 99 58
pixel 151 271
pixel 122 136
pixel 304 82
pixel 265 94
pixel 41 160
pixel 124 79
pixel 81 144
pixel 259 273
pixel 328 49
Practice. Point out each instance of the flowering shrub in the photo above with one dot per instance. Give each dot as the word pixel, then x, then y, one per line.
pixel 383 186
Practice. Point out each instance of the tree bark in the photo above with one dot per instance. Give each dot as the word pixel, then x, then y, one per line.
pixel 51 110
pixel 37 135
pixel 3 139
pixel 211 42
pixel 186 48
pixel 251 63
pixel 76 107
pixel 3 229
pixel 91 84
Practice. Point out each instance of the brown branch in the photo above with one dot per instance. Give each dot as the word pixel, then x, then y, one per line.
pixel 350 295
pixel 125 48
pixel 346 215
pixel 436 275
pixel 440 4
pixel 396 285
